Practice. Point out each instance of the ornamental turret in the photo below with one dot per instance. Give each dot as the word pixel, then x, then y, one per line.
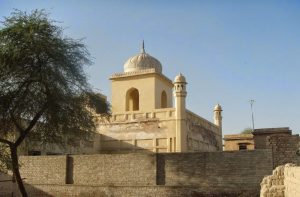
pixel 218 116
pixel 181 130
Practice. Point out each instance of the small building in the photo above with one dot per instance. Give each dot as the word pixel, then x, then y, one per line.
pixel 238 142
pixel 263 138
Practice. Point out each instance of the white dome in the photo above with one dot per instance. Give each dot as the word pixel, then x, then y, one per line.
pixel 142 61
pixel 218 107
pixel 180 78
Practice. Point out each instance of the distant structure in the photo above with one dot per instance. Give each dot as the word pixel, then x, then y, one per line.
pixel 144 118
pixel 238 142
pixel 263 138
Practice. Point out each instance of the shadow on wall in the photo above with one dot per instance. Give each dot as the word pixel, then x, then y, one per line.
pixel 34 148
pixel 219 173
pixel 9 188
pixel 111 145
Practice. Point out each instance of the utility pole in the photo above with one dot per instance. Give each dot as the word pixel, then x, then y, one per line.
pixel 251 104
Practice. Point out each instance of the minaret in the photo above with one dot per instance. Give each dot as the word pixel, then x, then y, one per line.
pixel 218 116
pixel 181 130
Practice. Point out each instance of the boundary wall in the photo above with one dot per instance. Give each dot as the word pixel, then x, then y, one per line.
pixel 166 174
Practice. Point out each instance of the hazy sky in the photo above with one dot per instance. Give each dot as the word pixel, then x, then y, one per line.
pixel 229 51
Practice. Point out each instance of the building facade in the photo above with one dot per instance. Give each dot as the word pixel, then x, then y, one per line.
pixel 238 142
pixel 264 138
pixel 144 118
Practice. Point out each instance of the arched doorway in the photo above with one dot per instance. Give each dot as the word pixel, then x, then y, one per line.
pixel 164 100
pixel 132 100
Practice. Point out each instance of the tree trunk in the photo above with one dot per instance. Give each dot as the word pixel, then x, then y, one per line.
pixel 15 167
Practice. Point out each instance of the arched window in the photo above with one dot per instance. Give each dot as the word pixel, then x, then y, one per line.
pixel 164 100
pixel 132 100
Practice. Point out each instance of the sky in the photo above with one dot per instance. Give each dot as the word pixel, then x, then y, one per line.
pixel 229 51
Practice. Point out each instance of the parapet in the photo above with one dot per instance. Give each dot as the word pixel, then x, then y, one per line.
pixel 279 130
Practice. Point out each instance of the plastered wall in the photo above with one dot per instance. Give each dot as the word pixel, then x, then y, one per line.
pixel 139 132
pixel 202 134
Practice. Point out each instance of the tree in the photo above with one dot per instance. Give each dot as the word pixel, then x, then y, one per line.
pixel 4 159
pixel 43 88
pixel 247 131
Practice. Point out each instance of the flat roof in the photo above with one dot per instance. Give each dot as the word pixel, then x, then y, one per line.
pixel 285 130
pixel 238 137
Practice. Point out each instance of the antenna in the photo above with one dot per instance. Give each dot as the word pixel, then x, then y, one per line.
pixel 251 104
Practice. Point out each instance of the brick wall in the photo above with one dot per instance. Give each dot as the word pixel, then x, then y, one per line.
pixel 43 169
pixel 5 184
pixel 260 135
pixel 184 174
pixel 131 191
pixel 220 169
pixel 125 191
pixel 114 169
pixel 284 148
pixel 260 141
pixel 216 170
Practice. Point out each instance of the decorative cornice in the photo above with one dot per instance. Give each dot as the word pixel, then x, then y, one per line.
pixel 133 73
pixel 140 73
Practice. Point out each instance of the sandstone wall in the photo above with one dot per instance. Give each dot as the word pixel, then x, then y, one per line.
pixel 155 131
pixel 273 185
pixel 292 181
pixel 138 132
pixel 284 182
pixel 233 142
pixel 203 135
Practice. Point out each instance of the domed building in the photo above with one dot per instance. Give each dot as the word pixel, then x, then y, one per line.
pixel 144 118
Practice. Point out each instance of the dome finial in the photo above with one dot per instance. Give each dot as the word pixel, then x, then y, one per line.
pixel 218 107
pixel 143 47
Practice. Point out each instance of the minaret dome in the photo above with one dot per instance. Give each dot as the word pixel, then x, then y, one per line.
pixel 180 79
pixel 142 61
pixel 218 107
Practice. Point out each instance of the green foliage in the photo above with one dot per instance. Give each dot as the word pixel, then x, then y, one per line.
pixel 5 161
pixel 247 131
pixel 44 92
pixel 97 102
pixel 42 82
